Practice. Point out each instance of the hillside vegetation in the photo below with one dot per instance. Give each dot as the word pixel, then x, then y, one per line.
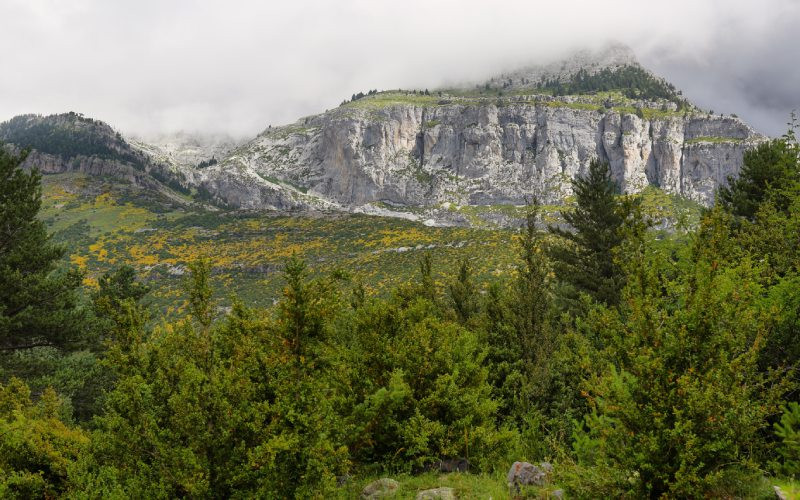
pixel 68 135
pixel 634 360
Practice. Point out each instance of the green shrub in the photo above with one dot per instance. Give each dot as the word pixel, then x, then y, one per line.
pixel 679 401
pixel 788 431
pixel 417 388
pixel 37 448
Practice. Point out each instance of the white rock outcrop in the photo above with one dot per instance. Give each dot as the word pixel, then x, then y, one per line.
pixel 476 152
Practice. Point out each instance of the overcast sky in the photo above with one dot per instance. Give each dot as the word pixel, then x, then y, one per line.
pixel 235 66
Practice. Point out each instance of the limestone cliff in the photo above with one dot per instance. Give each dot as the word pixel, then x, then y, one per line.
pixel 479 151
pixel 526 133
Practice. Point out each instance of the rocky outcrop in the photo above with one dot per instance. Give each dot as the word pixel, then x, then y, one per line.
pixel 90 165
pixel 404 153
pixel 441 493
pixel 479 151
pixel 70 142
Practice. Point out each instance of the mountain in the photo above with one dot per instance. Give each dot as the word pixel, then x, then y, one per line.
pixel 70 142
pixel 427 155
pixel 524 134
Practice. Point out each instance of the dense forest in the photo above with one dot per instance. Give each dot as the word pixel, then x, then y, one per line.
pixel 633 81
pixel 637 365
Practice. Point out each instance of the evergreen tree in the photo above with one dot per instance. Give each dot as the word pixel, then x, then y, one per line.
pixel 427 287
pixel 678 396
pixel 532 299
pixel 585 258
pixel 519 331
pixel 38 306
pixel 462 293
pixel 770 172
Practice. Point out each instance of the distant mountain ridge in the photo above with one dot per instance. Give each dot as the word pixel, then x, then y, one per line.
pixel 522 134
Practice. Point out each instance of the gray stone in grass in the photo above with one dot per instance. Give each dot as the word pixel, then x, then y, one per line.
pixel 437 493
pixel 379 488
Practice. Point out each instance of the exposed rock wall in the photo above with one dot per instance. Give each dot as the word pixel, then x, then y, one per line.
pixel 483 153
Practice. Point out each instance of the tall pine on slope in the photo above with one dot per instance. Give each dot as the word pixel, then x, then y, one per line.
pixel 585 259
pixel 37 304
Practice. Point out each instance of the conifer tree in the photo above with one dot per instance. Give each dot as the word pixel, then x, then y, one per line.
pixel 585 258
pixel 770 172
pixel 462 293
pixel 38 305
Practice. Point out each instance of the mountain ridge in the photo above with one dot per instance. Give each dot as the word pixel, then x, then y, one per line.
pixel 502 142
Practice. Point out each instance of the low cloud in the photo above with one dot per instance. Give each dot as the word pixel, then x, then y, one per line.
pixel 237 66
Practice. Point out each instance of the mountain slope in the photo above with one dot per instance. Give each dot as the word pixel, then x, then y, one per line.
pixel 418 154
pixel 70 142
pixel 514 137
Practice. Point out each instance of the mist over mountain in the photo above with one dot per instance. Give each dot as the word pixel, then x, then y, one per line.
pixel 424 153
pixel 236 68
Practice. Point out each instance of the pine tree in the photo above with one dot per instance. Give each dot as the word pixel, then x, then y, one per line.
pixel 462 293
pixel 770 173
pixel 519 329
pixel 585 258
pixel 38 305
pixel 532 299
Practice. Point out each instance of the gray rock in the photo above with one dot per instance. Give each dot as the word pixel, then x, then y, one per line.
pixel 442 493
pixel 476 153
pixel 413 155
pixel 557 494
pixel 524 473
pixel 380 488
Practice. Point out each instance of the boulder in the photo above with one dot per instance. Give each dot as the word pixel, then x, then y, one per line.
pixel 380 488
pixel 440 493
pixel 525 473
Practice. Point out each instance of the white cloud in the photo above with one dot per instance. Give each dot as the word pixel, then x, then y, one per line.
pixel 238 66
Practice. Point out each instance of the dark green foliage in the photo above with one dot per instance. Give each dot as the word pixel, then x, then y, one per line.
pixel 212 412
pixel 38 304
pixel 531 304
pixel 463 293
pixel 69 135
pixel 200 293
pixel 361 95
pixel 771 172
pixel 634 81
pixel 427 288
pixel 519 330
pixel 788 431
pixel 171 179
pixel 304 308
pixel 114 288
pixel 679 397
pixel 416 388
pixel 585 257
pixel 207 163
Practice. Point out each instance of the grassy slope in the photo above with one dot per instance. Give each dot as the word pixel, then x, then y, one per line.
pixel 789 487
pixel 105 224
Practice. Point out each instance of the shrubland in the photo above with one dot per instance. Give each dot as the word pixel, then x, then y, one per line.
pixel 639 365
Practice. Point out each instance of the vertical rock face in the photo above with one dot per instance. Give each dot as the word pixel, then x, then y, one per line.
pixel 481 152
